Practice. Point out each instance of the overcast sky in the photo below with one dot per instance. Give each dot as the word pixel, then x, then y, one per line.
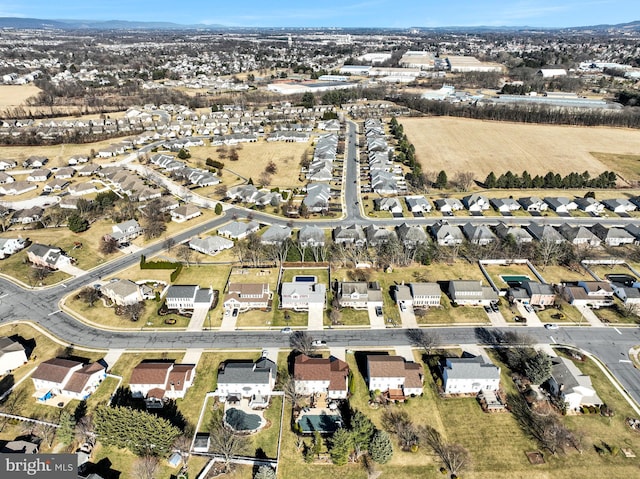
pixel 337 13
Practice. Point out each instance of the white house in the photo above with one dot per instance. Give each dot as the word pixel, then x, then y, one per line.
pixel 126 231
pixel 238 230
pixel 9 246
pixel 122 292
pixel 246 296
pixel 328 376
pixel 48 256
pixel 417 204
pixel 210 245
pixel 571 385
pixel 184 213
pixel 12 355
pixel 301 295
pixel 68 378
pixel 254 381
pixel 470 375
pixel 394 376
pixel 187 297
pixel 158 380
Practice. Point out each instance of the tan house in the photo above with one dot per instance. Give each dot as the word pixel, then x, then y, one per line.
pixel 155 381
pixel 394 376
pixel 244 297
pixel 328 376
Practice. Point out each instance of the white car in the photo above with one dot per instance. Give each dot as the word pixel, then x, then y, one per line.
pixel 318 343
pixel 551 326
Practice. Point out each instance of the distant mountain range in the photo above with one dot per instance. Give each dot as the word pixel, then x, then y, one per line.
pixel 36 23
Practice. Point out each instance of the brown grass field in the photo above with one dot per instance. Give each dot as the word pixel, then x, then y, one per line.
pixel 16 95
pixel 458 144
pixel 254 157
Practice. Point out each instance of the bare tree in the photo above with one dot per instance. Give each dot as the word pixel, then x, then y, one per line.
pixel 302 342
pixel 228 444
pixel 264 179
pixel 90 295
pixel 12 405
pixel 108 245
pixel 85 431
pixel 464 180
pixel 169 243
pixel 38 274
pixel 45 431
pixel 183 253
pixel 424 339
pixel 133 311
pixel 548 250
pixel 454 456
pixel 290 393
pixel 335 315
pixel 146 467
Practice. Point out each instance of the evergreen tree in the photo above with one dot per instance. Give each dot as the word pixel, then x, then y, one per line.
pixel 341 447
pixel 381 449
pixel 218 208
pixel 77 223
pixel 362 430
pixel 308 100
pixel 265 472
pixel 317 443
pixel 67 429
pixel 490 181
pixel 442 180
pixel 537 367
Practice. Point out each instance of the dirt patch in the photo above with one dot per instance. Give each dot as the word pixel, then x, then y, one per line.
pixel 458 144
pixel 535 458
pixel 16 95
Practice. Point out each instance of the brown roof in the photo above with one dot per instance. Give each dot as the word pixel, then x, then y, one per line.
pixel 386 366
pixel 178 376
pixel 54 370
pixel 79 379
pixel 320 369
pixel 252 289
pixel 150 373
pixel 413 375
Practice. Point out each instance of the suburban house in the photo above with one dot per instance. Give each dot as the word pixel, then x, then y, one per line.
pixel 301 295
pixel 519 235
pixel 48 256
pixel 505 205
pixel 612 236
pixel 28 215
pixel 55 185
pixel 476 202
pixel 418 295
pixel 125 231
pixel 353 234
pixel 478 234
pixel 5 178
pixel 250 194
pixel 275 235
pixel 540 294
pixel 533 203
pixel 328 376
pixel 311 236
pixel 417 204
pixel 35 162
pixel 184 213
pixel 317 198
pixel 12 355
pixel 21 447
pixel 560 204
pixel 376 235
pixel 411 235
pixel 255 381
pixel 390 204
pixel 634 230
pixel 17 188
pixel 394 376
pixel 590 205
pixel 64 173
pixel 9 246
pixel 590 293
pixel 238 230
pixel 446 234
pixel 80 189
pixel 188 297
pixel 244 297
pixel 65 377
pixel 470 375
pixel 158 380
pixel 579 235
pixel 471 293
pixel 619 205
pixel 210 245
pixel 572 386
pixel 123 292
pixel 545 233
pixel 626 293
pixel 358 294
pixel 448 205
pixel 39 175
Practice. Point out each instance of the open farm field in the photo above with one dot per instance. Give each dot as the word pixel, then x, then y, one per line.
pixel 254 157
pixel 16 95
pixel 457 144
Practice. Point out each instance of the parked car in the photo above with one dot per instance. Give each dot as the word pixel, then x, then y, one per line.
pixel 528 308
pixel 318 343
pixel 520 319
pixel 487 309
pixel 286 330
pixel 551 326
pixel 494 307
pixel 379 311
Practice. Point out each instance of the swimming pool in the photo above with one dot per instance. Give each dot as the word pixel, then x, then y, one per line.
pixel 325 423
pixel 516 278
pixel 305 279
pixel 241 421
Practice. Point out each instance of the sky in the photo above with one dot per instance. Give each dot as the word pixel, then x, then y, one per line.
pixel 337 13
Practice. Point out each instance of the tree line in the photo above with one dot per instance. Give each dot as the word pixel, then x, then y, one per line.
pixel 606 179
pixel 626 118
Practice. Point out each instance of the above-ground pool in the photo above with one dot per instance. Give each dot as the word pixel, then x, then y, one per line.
pixel 625 279
pixel 305 279
pixel 325 423
pixel 241 421
pixel 514 279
